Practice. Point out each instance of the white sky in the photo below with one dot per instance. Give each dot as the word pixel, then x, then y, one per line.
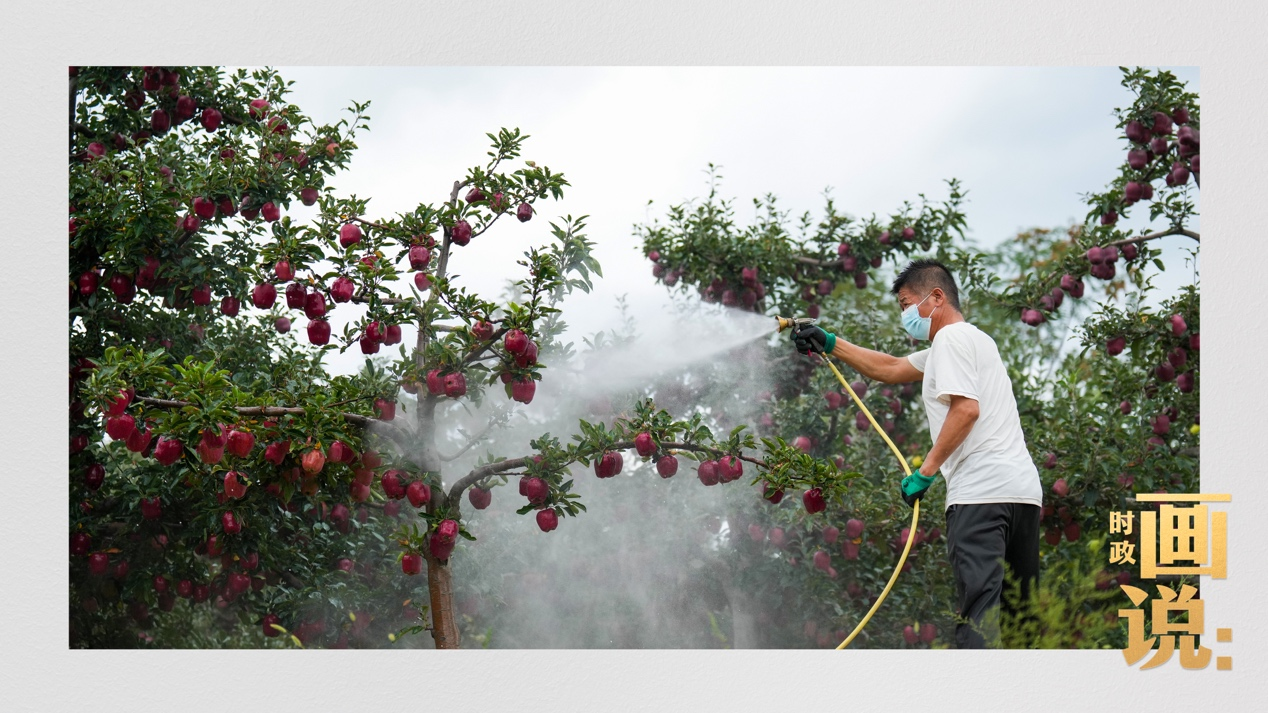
pixel 1025 142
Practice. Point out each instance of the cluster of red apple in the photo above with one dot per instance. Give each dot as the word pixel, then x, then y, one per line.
pixel 1182 343
pixel 1157 148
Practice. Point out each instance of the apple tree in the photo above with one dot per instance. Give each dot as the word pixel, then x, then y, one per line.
pixel 213 458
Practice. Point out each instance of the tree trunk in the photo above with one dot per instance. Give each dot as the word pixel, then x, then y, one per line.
pixel 443 627
pixel 744 634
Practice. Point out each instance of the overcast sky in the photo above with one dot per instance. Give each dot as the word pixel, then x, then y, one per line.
pixel 1025 142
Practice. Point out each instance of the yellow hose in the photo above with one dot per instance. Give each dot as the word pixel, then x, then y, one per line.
pixel 915 511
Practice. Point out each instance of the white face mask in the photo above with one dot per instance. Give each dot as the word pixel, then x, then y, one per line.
pixel 917 326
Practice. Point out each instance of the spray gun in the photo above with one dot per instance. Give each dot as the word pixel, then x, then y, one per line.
pixel 796 323
pixel 786 322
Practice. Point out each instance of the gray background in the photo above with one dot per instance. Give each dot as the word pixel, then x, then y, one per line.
pixel 42 675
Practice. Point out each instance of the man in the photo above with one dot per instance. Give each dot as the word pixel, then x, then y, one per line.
pixel 993 491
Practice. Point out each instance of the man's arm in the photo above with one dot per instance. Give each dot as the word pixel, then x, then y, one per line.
pixel 960 419
pixel 875 365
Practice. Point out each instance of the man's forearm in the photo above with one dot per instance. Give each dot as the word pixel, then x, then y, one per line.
pixel 872 364
pixel 954 430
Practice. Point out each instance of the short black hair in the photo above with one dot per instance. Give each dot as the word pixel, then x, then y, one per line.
pixel 923 275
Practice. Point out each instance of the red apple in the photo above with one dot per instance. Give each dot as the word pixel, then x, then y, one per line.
pixel 708 474
pixel 392 485
pixel 349 235
pixel 535 489
pixel 88 283
pixel 269 622
pixel 667 466
pixel 80 543
pixel 813 501
pixel 524 212
pixel 830 535
pixel 285 273
pixel 854 529
pixel 160 122
pixel 528 357
pixel 802 443
pixel 411 563
pixel 391 334
pixel 204 208
pixel 98 563
pixel 168 450
pixel 515 341
pixel 522 390
pixel 229 523
pixel 120 427
pixel 1115 346
pixel 460 234
pixel 1060 489
pixel 270 211
pixel 319 331
pixel 1184 382
pixel 1178 325
pixel 730 468
pixel 313 461
pixel 264 295
pixel 1136 132
pixel 435 382
pixel 384 409
pixel 240 443
pixel 151 508
pixel 547 520
pixel 296 296
pixel 233 487
pixel 455 385
pixel 479 497
pixel 644 445
pixel 774 495
pixel 342 289
pixel 418 493
pixel 315 305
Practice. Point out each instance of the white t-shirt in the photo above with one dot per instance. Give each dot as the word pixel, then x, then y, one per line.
pixel 992 465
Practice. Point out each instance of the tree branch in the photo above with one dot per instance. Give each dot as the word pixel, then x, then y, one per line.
pixel 371 223
pixel 1154 236
pixel 358 419
pixel 488 469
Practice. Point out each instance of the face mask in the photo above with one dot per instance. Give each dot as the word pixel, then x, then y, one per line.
pixel 917 326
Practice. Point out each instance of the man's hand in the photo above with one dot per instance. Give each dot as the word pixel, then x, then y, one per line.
pixel 809 338
pixel 914 487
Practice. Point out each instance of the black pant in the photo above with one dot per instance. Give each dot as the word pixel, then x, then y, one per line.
pixel 981 539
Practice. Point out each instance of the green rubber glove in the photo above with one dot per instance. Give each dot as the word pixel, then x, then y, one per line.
pixel 809 338
pixel 914 487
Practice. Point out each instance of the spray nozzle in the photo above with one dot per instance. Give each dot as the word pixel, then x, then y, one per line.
pixel 786 322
